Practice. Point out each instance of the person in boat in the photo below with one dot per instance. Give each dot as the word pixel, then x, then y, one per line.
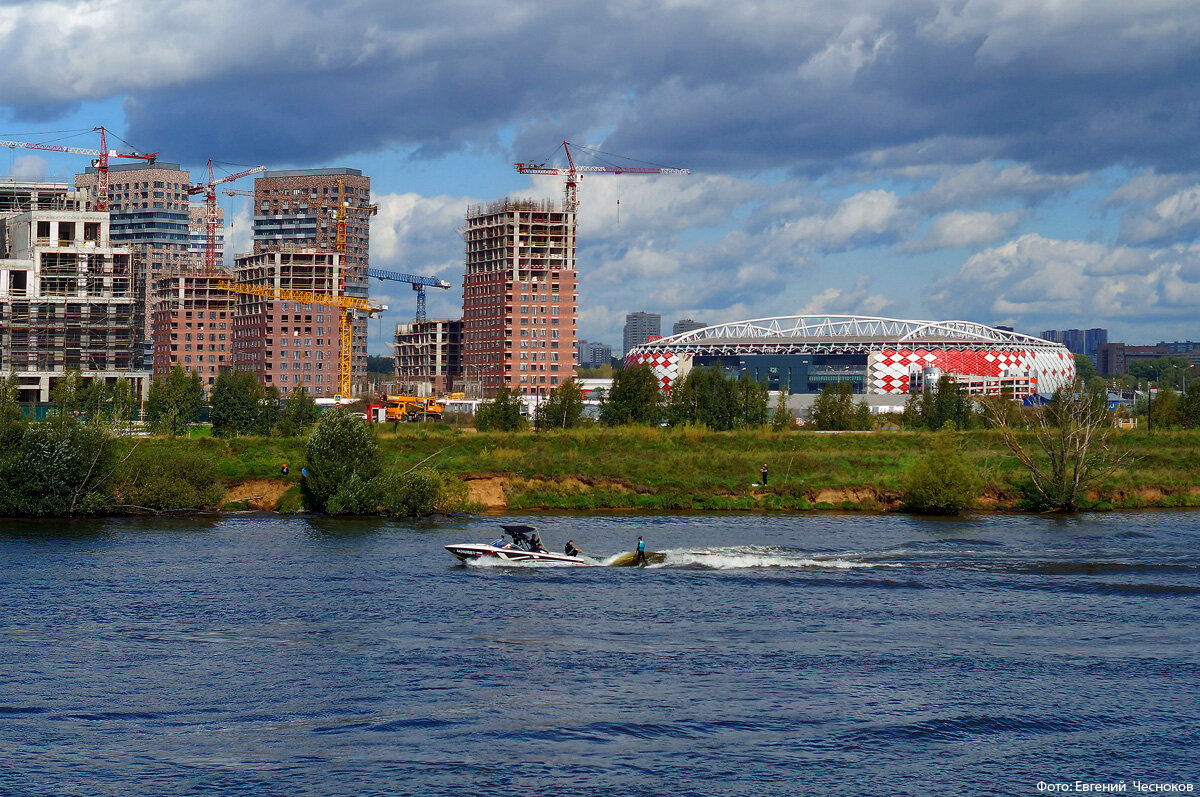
pixel 571 550
pixel 640 559
pixel 535 544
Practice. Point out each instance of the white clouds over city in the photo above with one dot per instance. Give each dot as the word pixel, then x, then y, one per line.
pixel 1020 162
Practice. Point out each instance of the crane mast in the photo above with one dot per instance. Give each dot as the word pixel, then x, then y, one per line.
pixel 348 304
pixel 209 190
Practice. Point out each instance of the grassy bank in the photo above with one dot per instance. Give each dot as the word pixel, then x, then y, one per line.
pixel 673 469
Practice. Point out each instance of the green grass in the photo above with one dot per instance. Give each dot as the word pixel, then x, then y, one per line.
pixel 692 469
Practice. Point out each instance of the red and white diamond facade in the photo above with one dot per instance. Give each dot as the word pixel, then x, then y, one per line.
pixel 899 354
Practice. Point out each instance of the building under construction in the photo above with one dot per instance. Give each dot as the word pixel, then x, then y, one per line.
pixel 289 343
pixel 296 209
pixel 70 297
pixel 520 296
pixel 428 357
pixel 192 323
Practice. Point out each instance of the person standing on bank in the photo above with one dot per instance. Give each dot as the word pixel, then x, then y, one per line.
pixel 763 479
pixel 640 559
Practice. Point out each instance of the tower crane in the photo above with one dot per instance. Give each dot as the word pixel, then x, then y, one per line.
pixel 575 173
pixel 347 304
pixel 418 284
pixel 101 163
pixel 209 190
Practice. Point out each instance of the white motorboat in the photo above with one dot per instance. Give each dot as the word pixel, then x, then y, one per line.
pixel 525 546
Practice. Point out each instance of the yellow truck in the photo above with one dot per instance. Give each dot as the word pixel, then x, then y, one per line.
pixel 413 408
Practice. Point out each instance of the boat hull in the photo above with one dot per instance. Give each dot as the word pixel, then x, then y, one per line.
pixel 469 552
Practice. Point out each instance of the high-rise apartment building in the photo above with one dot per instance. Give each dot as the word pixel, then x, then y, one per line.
pixel 296 209
pixel 1079 341
pixel 686 325
pixel 639 328
pixel 520 296
pixel 592 355
pixel 70 297
pixel 289 343
pixel 151 212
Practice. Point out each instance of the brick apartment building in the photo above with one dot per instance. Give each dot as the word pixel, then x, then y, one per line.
pixel 296 210
pixel 289 343
pixel 520 296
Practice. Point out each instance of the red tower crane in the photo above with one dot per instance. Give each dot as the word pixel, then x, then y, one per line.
pixel 575 173
pixel 102 156
pixel 209 190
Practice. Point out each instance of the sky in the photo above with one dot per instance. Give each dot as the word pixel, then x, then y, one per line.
pixel 1031 163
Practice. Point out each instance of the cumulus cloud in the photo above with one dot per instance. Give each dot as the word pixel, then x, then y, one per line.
pixel 1038 281
pixel 962 229
pixel 1173 217
pixel 857 300
pixel 711 85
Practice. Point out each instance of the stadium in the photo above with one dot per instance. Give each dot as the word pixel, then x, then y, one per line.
pixel 879 356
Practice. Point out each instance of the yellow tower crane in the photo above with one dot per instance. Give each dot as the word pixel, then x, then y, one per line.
pixel 348 304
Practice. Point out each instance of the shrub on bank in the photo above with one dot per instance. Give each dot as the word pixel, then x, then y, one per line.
pixel 178 477
pixel 942 483
pixel 57 469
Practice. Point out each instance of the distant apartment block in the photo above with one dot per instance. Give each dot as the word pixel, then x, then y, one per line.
pixel 289 343
pixel 639 328
pixel 1114 359
pixel 428 356
pixel 1079 341
pixel 296 210
pixel 1187 349
pixel 70 297
pixel 686 325
pixel 592 355
pixel 520 296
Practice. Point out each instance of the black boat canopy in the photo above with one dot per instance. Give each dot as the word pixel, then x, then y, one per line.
pixel 520 534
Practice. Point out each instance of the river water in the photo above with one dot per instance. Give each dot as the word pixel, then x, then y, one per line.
pixel 766 655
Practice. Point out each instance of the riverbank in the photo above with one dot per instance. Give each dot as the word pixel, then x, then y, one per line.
pixel 682 469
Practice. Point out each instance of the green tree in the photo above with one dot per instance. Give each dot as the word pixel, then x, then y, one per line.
pixel 1163 371
pixel 124 404
pixel 1189 407
pixel 299 412
pixel 342 459
pixel 11 417
pixel 781 418
pixel 57 469
pixel 941 482
pixel 834 409
pixel 563 409
pixel 235 404
pixel 1165 409
pixel 752 402
pixel 174 402
pixel 635 398
pixel 1070 450
pixel 94 400
pixel 270 412
pixel 947 402
pixel 1084 370
pixel 67 393
pixel 704 396
pixel 501 414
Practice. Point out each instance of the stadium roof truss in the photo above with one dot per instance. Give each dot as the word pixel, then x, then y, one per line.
pixel 835 334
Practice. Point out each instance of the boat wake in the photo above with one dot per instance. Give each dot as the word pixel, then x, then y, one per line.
pixel 742 558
